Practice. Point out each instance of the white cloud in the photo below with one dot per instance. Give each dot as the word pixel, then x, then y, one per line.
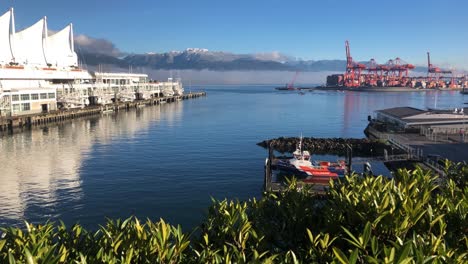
pixel 272 56
pixel 85 43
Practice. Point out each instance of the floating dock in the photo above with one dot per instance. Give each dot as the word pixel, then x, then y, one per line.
pixel 14 124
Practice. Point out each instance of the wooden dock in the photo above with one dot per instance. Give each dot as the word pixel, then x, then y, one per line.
pixel 414 152
pixel 17 123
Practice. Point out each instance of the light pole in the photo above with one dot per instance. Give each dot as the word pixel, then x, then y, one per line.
pixel 463 129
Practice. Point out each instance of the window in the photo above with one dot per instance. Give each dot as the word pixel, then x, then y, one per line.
pixel 25 97
pixel 34 96
pixel 25 106
pixel 43 96
pixel 15 97
pixel 16 108
pixel 51 95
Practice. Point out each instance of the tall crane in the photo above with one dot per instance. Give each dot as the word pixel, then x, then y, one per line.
pixel 434 75
pixel 397 72
pixel 373 73
pixel 291 84
pixel 352 76
pixel 434 71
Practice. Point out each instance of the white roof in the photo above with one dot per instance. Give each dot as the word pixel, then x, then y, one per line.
pixel 5 49
pixel 32 45
pixel 60 50
pixel 28 47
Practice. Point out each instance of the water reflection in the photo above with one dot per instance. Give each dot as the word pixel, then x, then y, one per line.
pixel 40 169
pixel 166 161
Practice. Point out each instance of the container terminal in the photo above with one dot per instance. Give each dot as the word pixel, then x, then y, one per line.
pixel 394 75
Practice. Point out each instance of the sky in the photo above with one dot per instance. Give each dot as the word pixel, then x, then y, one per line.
pixel 303 29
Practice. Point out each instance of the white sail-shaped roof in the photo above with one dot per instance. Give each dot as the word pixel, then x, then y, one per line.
pixel 29 44
pixel 60 50
pixel 5 46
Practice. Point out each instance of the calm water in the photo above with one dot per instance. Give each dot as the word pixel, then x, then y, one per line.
pixel 167 161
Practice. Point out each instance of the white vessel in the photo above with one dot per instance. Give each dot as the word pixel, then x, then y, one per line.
pixel 39 72
pixel 301 165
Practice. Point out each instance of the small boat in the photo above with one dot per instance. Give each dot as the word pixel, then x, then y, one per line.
pixel 286 88
pixel 301 166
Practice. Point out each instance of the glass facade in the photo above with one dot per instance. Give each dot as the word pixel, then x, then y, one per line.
pixel 25 106
pixel 25 97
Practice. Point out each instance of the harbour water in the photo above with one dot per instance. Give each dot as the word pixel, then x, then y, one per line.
pixel 166 161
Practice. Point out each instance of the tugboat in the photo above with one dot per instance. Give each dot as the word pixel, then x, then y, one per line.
pixel 301 166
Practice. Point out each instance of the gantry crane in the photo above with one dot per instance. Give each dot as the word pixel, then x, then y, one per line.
pixel 352 76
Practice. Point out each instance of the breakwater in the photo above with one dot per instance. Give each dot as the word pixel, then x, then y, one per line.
pixel 18 123
pixel 361 147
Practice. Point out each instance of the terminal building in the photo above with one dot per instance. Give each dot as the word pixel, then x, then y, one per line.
pixel 39 72
pixel 424 122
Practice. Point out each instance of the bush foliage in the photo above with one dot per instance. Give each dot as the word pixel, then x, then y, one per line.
pixel 412 218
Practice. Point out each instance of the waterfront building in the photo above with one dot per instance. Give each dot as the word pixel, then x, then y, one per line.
pixel 39 72
pixel 409 118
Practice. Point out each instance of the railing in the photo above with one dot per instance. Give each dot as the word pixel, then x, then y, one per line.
pixel 446 133
pixel 435 166
pixel 377 133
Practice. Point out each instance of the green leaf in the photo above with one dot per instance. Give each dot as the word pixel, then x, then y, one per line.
pixel 354 256
pixel 354 241
pixel 366 235
pixel 2 244
pixel 404 253
pixel 340 255
pixel 11 258
pixel 82 259
pixel 29 257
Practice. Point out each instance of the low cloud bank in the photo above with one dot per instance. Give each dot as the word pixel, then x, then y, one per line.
pixel 207 77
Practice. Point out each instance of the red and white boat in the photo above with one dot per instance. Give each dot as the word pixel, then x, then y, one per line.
pixel 301 165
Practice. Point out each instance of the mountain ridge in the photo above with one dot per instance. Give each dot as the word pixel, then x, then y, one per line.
pixel 203 59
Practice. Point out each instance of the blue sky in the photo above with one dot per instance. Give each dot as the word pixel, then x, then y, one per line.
pixel 304 29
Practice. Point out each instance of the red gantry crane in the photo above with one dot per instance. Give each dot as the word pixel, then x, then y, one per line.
pixel 352 76
pixel 373 73
pixel 376 73
pixel 398 72
pixel 435 73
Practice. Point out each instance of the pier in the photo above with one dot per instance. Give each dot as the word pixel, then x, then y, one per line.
pixel 429 137
pixel 17 123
